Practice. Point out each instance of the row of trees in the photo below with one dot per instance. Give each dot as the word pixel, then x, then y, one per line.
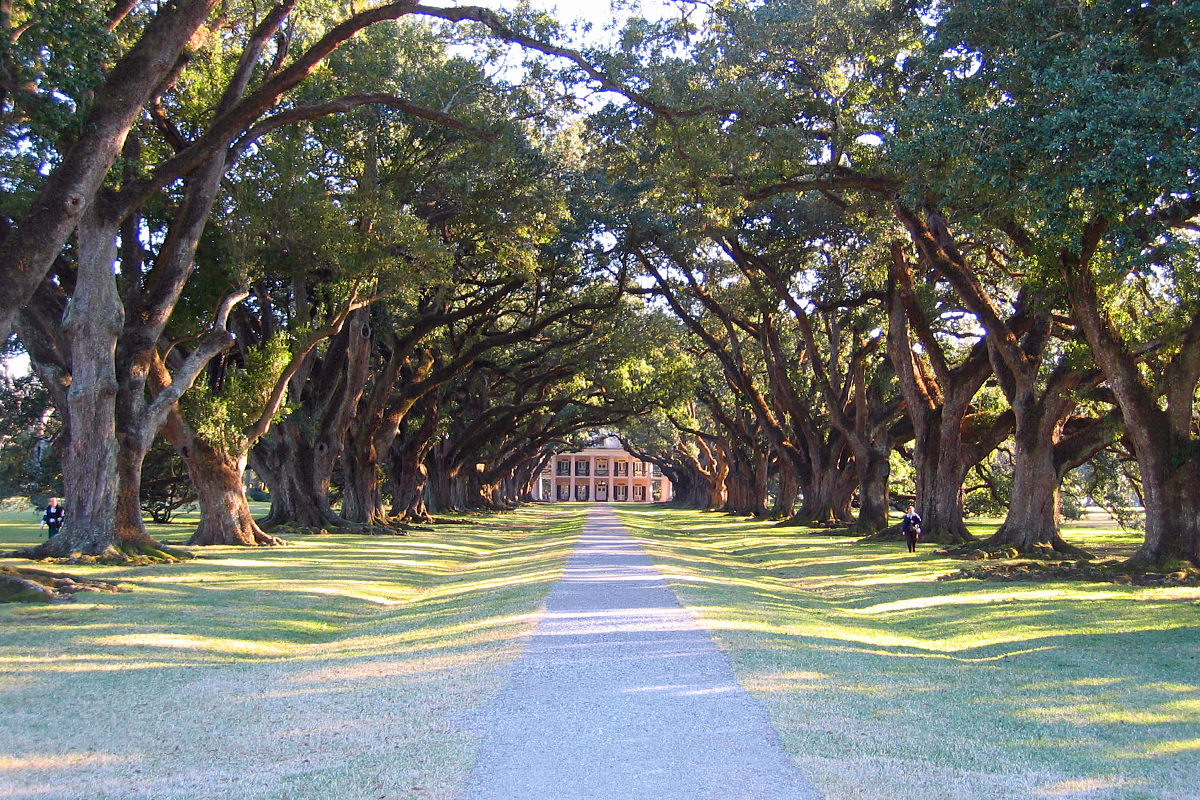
pixel 806 237
pixel 308 238
pixel 940 229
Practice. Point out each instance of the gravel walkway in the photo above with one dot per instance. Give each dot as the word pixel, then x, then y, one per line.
pixel 622 695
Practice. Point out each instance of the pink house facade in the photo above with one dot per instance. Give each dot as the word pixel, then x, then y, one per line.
pixel 604 474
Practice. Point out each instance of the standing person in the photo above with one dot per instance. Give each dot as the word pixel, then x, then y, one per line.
pixel 53 518
pixel 911 528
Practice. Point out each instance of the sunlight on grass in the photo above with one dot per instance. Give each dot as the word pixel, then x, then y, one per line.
pixel 349 661
pixel 183 642
pixel 885 682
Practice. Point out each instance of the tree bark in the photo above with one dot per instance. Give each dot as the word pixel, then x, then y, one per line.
pixel 1033 516
pixel 217 476
pixel 362 484
pixel 408 453
pixel 225 516
pixel 874 469
pixel 92 469
pixel 1039 415
pixel 298 469
pixel 787 491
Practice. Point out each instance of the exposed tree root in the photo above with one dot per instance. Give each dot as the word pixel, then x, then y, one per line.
pixel 982 551
pixel 27 585
pixel 119 554
pixel 344 527
pixel 1111 571
pixel 1140 563
pixel 255 537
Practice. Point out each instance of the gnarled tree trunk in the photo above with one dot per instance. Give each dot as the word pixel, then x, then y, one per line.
pixel 873 468
pixel 92 468
pixel 297 457
pixel 218 478
pixel 225 516
pixel 299 472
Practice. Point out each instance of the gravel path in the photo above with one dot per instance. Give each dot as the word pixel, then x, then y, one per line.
pixel 622 695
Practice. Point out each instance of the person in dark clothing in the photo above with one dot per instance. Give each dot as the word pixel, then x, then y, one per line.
pixel 911 528
pixel 53 518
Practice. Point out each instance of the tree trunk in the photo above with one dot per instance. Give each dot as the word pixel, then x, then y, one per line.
pixel 91 476
pixel 362 495
pixel 937 411
pixel 408 453
pixel 225 516
pixel 760 487
pixel 1033 516
pixel 443 492
pixel 297 457
pixel 824 500
pixel 1172 510
pixel 1162 440
pixel 299 473
pixel 408 503
pixel 873 469
pixel 131 454
pixel 787 491
pixel 217 476
pixel 941 465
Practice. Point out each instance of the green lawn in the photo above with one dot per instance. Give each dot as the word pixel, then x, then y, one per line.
pixel 348 667
pixel 886 683
pixel 338 667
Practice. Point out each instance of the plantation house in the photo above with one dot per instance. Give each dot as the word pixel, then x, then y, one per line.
pixel 605 473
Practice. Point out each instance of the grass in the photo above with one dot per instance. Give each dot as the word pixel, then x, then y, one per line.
pixel 884 682
pixel 338 667
pixel 349 667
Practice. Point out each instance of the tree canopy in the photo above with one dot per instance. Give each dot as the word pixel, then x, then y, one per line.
pixel 809 258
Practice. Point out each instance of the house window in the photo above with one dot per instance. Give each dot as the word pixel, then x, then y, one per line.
pixel 582 467
pixel 656 491
pixel 581 492
pixel 564 467
pixel 621 468
pixel 602 466
pixel 639 468
pixel 639 494
pixel 620 492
